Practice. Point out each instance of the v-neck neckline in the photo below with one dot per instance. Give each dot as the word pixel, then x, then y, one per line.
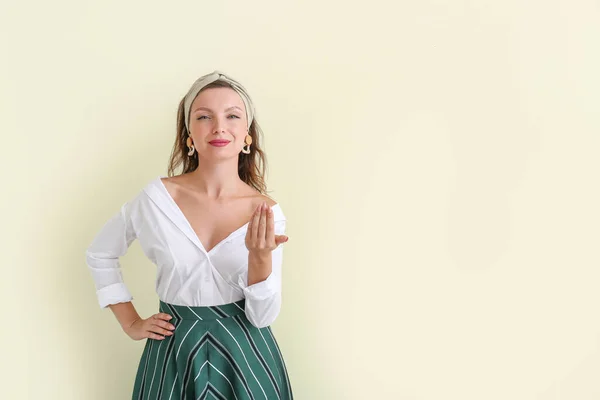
pixel 189 225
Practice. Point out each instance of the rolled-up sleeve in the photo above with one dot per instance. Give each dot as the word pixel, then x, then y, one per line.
pixel 102 258
pixel 263 299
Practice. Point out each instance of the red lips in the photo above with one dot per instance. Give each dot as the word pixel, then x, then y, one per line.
pixel 219 142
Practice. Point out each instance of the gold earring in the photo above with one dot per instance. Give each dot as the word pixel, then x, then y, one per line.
pixel 190 146
pixel 246 149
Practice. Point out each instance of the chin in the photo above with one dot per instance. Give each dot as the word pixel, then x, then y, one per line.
pixel 219 155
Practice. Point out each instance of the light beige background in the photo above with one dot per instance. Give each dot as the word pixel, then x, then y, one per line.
pixel 437 162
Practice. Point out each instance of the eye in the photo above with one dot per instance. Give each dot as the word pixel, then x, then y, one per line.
pixel 201 117
pixel 234 116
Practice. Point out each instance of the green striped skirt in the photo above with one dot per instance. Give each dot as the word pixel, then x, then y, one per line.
pixel 214 353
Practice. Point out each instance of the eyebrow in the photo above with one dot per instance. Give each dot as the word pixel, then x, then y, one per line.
pixel 208 109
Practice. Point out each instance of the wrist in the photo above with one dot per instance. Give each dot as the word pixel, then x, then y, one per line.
pixel 129 325
pixel 259 267
pixel 259 257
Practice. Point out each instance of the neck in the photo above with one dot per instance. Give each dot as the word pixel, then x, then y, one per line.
pixel 216 180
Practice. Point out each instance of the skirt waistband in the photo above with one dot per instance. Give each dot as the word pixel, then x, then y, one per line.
pixel 205 313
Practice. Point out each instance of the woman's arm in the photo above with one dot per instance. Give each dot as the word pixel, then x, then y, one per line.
pixel 263 297
pixel 261 283
pixel 125 313
pixel 155 327
pixel 259 267
pixel 102 258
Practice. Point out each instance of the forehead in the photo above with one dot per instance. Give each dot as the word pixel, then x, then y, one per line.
pixel 218 98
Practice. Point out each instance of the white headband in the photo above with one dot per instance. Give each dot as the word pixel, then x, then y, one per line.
pixel 210 78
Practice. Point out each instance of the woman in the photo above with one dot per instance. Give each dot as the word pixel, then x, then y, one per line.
pixel 217 242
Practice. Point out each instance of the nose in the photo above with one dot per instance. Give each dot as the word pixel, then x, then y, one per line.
pixel 219 124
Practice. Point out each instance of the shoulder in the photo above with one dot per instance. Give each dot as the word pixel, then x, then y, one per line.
pixel 270 201
pixel 173 182
pixel 258 198
pixel 274 204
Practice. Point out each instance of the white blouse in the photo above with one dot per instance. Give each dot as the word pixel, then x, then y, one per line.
pixel 187 274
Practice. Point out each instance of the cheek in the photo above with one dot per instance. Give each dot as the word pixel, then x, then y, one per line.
pixel 238 131
pixel 238 139
pixel 199 128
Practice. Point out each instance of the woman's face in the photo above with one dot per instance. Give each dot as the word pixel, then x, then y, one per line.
pixel 218 114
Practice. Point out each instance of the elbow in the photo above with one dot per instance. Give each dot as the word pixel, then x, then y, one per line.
pixel 92 258
pixel 265 312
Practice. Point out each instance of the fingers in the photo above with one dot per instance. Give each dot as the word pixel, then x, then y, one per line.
pixel 163 324
pixel 155 336
pixel 279 239
pixel 262 225
pixel 270 234
pixel 162 316
pixel 158 327
pixel 261 229
pixel 254 223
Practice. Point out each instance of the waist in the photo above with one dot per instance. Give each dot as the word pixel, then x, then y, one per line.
pixel 204 313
